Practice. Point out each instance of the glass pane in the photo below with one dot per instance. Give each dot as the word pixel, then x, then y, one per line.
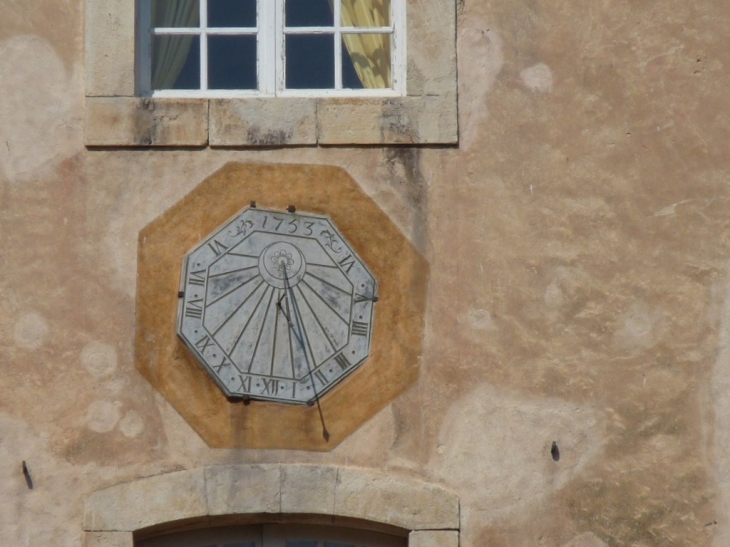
pixel 308 13
pixel 310 61
pixel 175 13
pixel 366 61
pixel 175 62
pixel 232 62
pixel 301 543
pixel 231 13
pixel 361 13
pixel 350 79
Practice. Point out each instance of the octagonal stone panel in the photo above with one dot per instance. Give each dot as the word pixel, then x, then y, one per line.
pixel 401 273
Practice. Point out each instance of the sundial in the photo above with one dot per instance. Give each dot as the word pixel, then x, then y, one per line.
pixel 277 306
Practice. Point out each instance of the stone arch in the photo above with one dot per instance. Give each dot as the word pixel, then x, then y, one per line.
pixel 429 513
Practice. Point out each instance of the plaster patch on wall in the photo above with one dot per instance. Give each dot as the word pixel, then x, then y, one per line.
pixel 102 416
pixel 538 77
pixel 31 331
pixel 99 359
pixel 479 319
pixel 642 327
pixel 481 57
pixel 37 126
pixel 132 424
pixel 554 297
pixel 502 442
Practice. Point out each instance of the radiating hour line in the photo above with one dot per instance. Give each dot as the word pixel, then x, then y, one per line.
pixel 309 261
pixel 317 319
pixel 348 293
pixel 238 308
pixel 276 328
pixel 232 290
pixel 239 254
pixel 302 330
pixel 261 330
pixel 345 321
pixel 211 276
pixel 240 334
pixel 291 347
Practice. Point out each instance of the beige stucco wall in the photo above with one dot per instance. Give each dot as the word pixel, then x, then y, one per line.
pixel 579 249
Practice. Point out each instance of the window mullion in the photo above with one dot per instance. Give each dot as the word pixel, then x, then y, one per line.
pixel 203 45
pixel 398 45
pixel 338 44
pixel 279 37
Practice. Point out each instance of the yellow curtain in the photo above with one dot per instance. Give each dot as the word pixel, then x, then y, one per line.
pixel 370 53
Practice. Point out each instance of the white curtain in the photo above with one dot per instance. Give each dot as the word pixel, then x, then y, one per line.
pixel 171 51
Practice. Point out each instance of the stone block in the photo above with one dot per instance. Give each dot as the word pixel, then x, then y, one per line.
pixel 243 489
pixel 123 121
pixel 109 48
pixel 263 122
pixel 437 118
pixel 433 538
pixel 405 503
pixel 432 58
pixel 146 502
pixel 364 121
pixel 397 120
pixel 308 489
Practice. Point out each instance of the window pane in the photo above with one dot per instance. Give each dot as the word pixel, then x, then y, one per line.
pixel 365 13
pixel 231 13
pixel 308 13
pixel 366 61
pixel 232 62
pixel 175 13
pixel 175 62
pixel 301 543
pixel 350 79
pixel 310 61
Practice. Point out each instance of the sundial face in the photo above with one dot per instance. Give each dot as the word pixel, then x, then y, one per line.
pixel 276 306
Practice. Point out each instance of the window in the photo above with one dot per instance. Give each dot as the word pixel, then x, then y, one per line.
pixel 221 48
pixel 275 535
pixel 292 76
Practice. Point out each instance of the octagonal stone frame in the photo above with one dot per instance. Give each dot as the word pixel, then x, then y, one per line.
pixel 402 275
pixel 247 494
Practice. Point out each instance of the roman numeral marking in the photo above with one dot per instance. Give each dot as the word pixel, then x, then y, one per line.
pixel 347 263
pixel 197 278
pixel 342 361
pixel 246 384
pixel 217 247
pixel 319 375
pixel 359 328
pixel 271 386
pixel 224 362
pixel 194 309
pixel 203 343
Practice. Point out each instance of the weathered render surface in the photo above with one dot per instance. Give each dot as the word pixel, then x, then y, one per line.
pixel 578 242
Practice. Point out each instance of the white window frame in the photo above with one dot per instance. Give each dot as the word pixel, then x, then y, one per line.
pixel 271 63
